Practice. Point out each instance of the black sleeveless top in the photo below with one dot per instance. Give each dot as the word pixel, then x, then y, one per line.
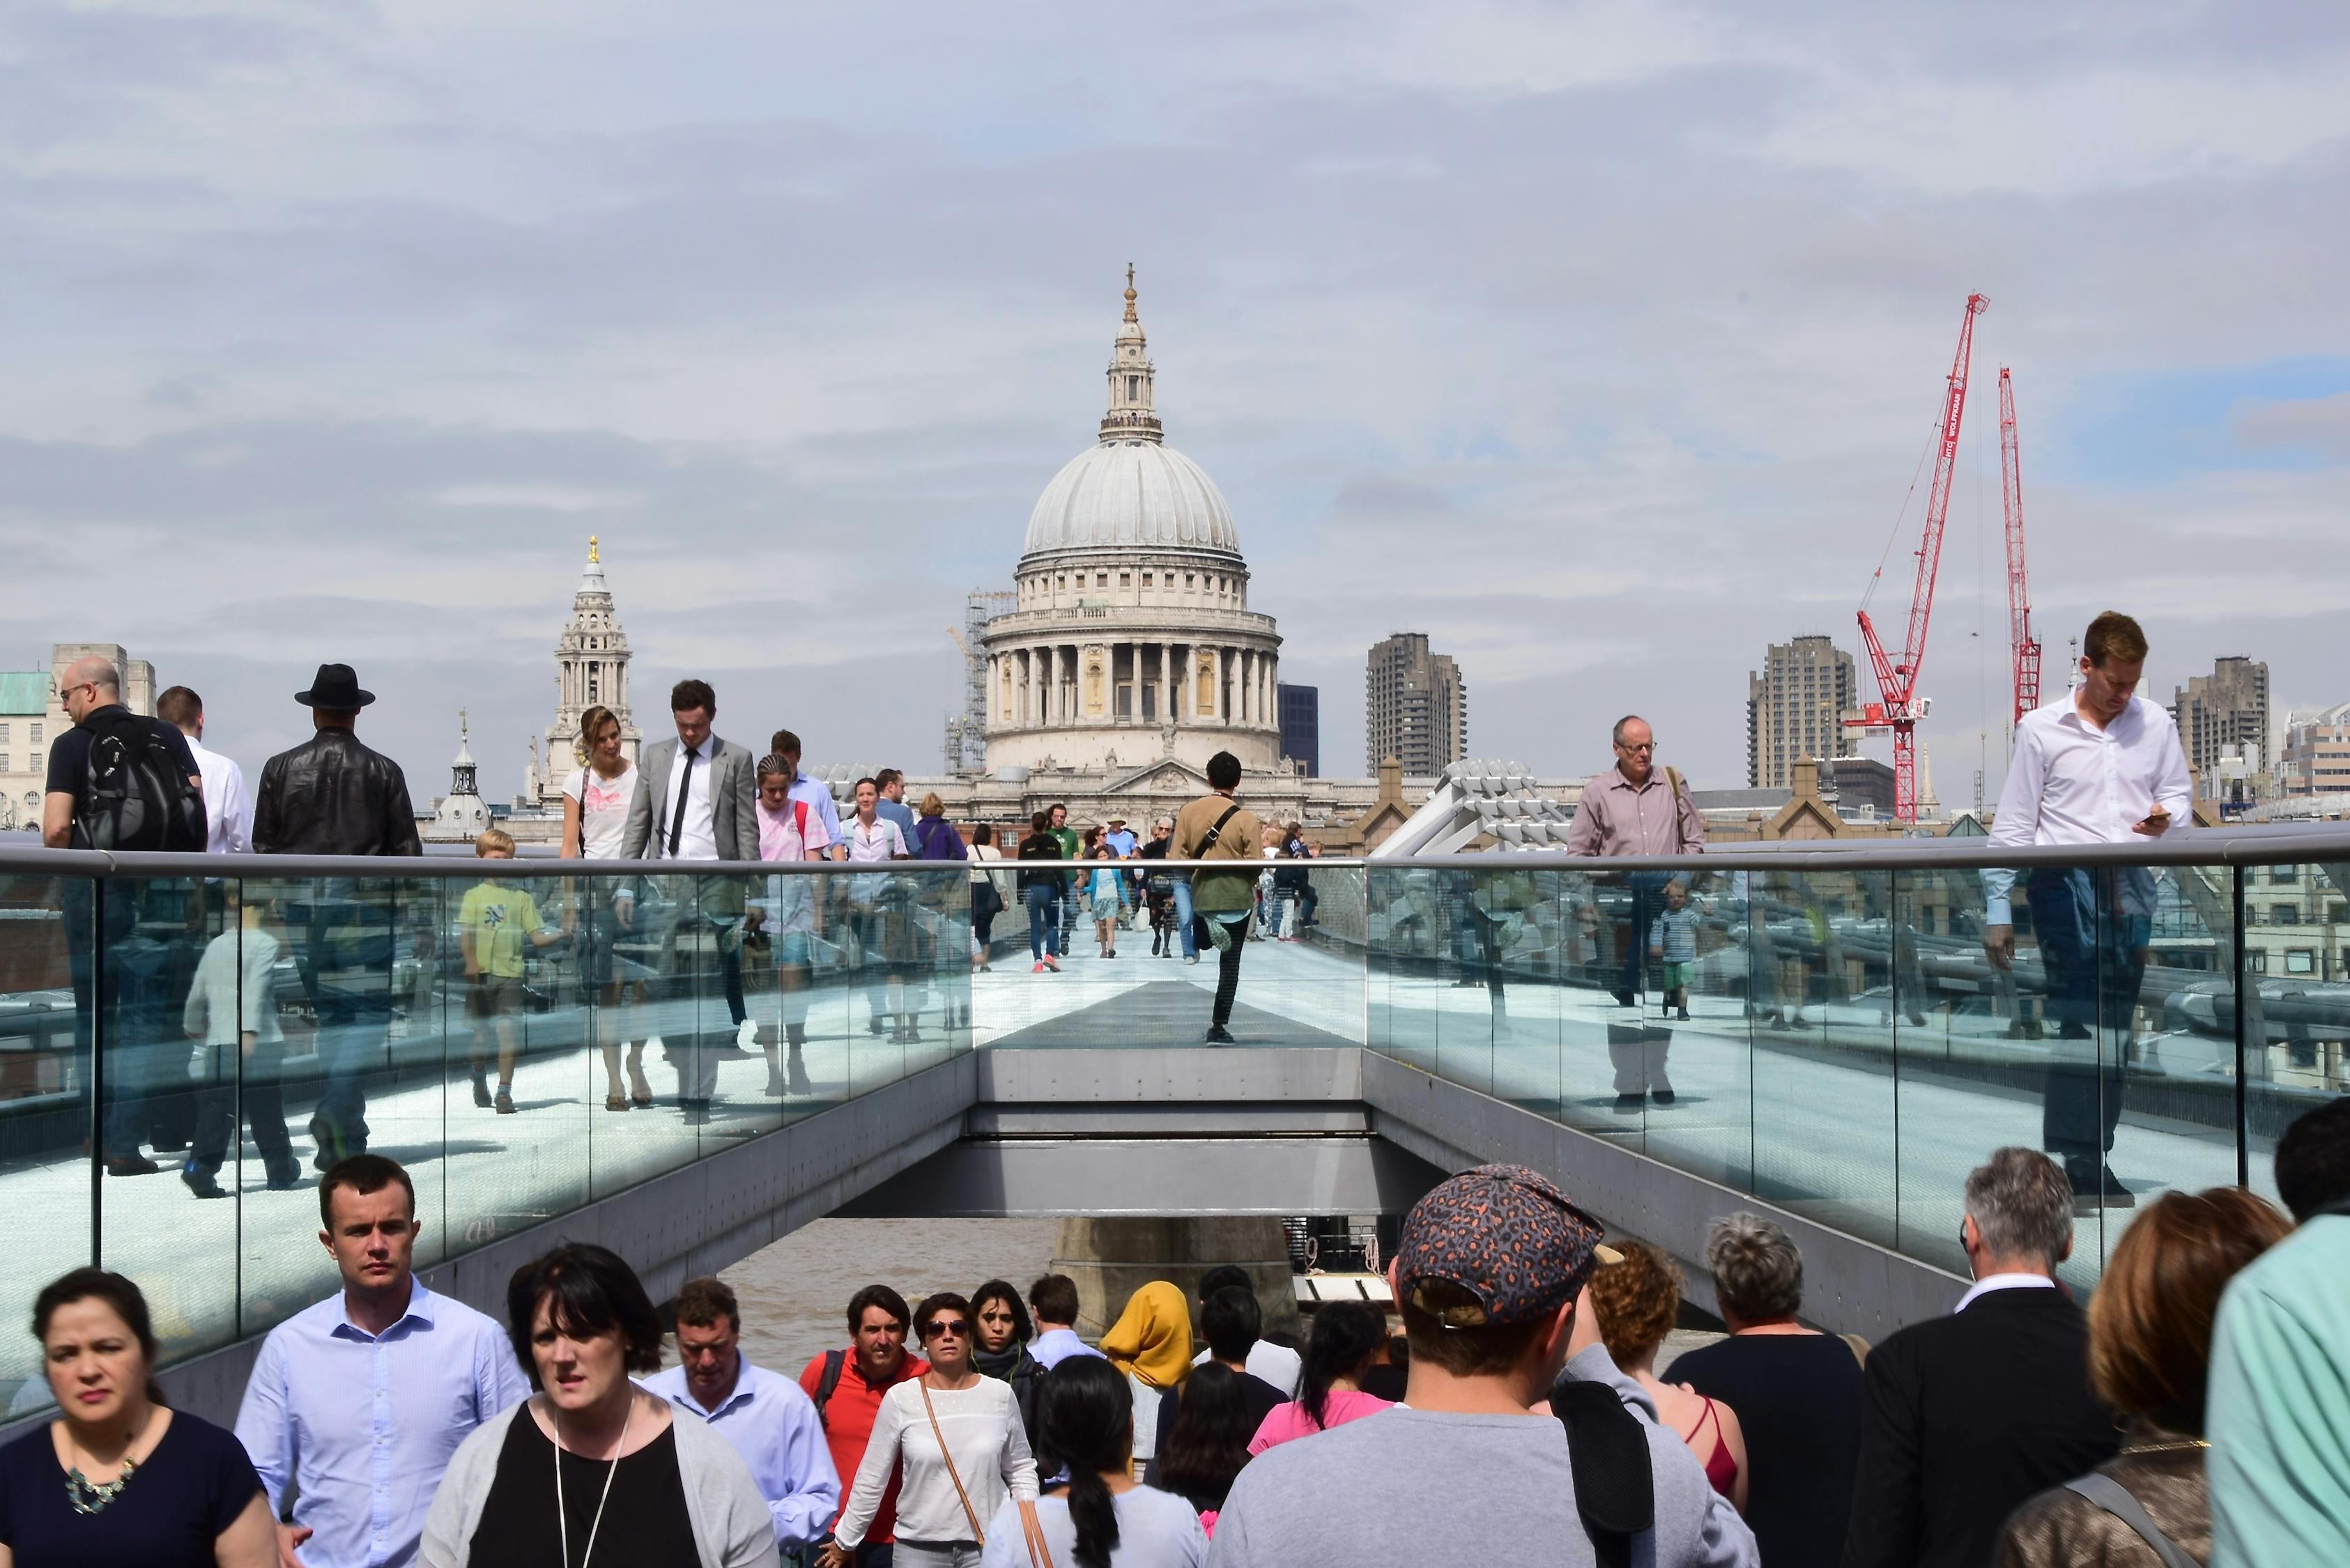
pixel 646 1521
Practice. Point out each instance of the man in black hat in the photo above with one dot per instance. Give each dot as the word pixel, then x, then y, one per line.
pixel 332 795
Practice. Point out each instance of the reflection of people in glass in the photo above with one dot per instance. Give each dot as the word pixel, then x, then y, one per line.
pixel 2100 765
pixel 231 1013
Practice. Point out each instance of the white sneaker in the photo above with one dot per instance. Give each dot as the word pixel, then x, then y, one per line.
pixel 747 1037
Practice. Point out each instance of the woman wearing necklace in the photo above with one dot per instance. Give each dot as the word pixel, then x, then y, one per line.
pixel 954 1440
pixel 120 1480
pixel 593 1472
pixel 2150 1352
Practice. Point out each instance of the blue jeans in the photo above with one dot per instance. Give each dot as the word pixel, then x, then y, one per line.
pixel 1182 880
pixel 1044 921
pixel 2095 958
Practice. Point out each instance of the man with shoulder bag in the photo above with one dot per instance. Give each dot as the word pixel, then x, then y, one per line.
pixel 1631 809
pixel 1217 827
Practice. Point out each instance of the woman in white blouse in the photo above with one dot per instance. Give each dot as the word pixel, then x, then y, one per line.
pixel 954 1438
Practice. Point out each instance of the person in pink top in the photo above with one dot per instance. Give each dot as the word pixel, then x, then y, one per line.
pixel 1345 1341
pixel 787 918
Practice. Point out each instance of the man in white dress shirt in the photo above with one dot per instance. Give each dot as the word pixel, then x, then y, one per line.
pixel 228 830
pixel 228 804
pixel 695 800
pixel 2101 765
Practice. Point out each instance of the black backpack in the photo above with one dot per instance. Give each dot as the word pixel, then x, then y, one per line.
pixel 1615 1487
pixel 135 795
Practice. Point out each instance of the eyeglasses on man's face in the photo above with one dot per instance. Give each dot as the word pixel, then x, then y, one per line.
pixel 1629 746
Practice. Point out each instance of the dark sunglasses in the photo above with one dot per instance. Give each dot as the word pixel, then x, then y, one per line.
pixel 959 1327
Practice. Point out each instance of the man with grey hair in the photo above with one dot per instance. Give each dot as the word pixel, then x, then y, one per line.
pixel 1796 1391
pixel 1967 1416
pixel 1629 809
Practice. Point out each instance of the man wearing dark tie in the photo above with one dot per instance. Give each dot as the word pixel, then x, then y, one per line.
pixel 694 801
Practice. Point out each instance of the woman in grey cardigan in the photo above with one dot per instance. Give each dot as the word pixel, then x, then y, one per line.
pixel 593 1471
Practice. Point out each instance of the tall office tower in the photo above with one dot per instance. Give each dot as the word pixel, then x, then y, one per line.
pixel 1416 707
pixel 1301 726
pixel 2229 707
pixel 1794 707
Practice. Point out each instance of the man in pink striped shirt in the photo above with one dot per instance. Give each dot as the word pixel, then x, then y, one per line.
pixel 1631 809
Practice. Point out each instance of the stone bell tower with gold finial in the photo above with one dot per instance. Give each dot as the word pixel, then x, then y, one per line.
pixel 591 669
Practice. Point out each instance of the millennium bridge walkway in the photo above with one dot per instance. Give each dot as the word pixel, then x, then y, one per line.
pixel 1848 1054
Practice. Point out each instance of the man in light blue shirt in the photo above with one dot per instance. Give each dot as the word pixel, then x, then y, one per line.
pixel 1052 1302
pixel 767 1418
pixel 361 1400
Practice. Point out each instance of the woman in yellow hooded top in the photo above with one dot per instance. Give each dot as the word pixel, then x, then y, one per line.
pixel 1151 1344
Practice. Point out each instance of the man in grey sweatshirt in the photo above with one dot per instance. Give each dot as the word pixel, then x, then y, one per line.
pixel 1489 1276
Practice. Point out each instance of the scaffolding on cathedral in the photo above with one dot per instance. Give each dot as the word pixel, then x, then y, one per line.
pixel 966 733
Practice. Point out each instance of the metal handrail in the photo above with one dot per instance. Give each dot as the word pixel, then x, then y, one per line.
pixel 2261 846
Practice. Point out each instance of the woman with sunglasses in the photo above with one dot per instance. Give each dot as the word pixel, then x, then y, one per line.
pixel 954 1440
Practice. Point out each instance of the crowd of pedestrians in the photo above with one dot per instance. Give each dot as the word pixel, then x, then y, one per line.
pixel 640 950
pixel 2193 1414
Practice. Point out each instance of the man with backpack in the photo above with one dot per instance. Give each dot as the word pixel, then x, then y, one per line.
pixel 1491 1277
pixel 847 1386
pixel 120 781
pixel 331 795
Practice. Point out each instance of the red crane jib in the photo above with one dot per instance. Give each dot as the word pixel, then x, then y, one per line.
pixel 1899 683
pixel 2022 645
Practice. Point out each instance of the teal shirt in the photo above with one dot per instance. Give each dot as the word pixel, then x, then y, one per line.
pixel 2279 1417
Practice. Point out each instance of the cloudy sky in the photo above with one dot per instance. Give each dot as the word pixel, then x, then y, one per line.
pixel 1602 342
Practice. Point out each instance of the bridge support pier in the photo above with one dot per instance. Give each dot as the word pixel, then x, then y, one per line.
pixel 1112 1258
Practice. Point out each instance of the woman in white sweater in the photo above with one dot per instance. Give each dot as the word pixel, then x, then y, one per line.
pixel 956 1440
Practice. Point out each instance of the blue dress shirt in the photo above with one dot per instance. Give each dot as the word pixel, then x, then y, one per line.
pixel 775 1427
pixel 365 1424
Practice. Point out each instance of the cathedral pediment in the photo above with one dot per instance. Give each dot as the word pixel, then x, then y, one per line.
pixel 1164 775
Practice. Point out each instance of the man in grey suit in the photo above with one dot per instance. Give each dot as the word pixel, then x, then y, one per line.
pixel 695 800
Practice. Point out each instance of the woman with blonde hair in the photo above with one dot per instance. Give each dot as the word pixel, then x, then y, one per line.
pixel 595 821
pixel 1636 1301
pixel 2149 1354
pixel 1151 1344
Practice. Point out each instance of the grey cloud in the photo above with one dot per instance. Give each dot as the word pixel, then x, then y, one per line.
pixel 1578 378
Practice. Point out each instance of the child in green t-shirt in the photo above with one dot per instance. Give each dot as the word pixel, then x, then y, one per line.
pixel 496 924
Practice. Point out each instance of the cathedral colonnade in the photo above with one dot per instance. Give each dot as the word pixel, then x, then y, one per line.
pixel 1052 684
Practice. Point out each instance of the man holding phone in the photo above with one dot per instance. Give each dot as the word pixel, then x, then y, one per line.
pixel 2100 765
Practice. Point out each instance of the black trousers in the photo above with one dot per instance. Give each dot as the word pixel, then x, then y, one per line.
pixel 1228 965
pixel 264 1108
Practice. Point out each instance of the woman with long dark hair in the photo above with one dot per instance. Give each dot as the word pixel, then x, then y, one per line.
pixel 1208 1445
pixel 1107 1520
pixel 118 1478
pixel 1001 1331
pixel 1346 1339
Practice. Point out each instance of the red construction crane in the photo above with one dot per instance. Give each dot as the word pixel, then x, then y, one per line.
pixel 1898 683
pixel 2025 646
